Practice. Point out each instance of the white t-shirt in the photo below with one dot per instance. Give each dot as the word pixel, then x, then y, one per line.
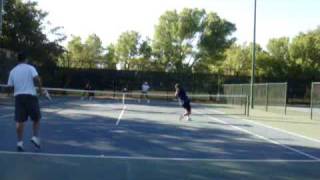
pixel 145 87
pixel 21 78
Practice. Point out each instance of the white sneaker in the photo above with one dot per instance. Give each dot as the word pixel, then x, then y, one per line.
pixel 35 141
pixel 181 117
pixel 20 147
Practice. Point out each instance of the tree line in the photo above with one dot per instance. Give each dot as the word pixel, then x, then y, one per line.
pixel 190 40
pixel 196 41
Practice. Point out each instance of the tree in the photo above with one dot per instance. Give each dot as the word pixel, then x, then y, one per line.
pixel 89 54
pixel 110 57
pixel 191 39
pixel 75 53
pixel 23 30
pixel 93 51
pixel 305 52
pixel 145 49
pixel 127 49
pixel 280 62
pixel 237 60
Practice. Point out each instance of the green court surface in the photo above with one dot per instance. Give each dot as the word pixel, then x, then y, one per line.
pixel 294 121
pixel 50 167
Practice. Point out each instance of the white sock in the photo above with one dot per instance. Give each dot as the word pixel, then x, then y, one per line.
pixel 34 137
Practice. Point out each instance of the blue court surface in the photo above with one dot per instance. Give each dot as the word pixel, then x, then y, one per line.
pixel 109 140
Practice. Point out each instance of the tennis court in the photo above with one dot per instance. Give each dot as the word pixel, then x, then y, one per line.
pixel 109 138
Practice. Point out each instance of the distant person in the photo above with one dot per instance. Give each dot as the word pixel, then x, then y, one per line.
pixel 144 91
pixel 89 92
pixel 22 79
pixel 184 100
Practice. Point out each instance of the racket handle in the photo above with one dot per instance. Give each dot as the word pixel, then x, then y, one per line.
pixel 46 93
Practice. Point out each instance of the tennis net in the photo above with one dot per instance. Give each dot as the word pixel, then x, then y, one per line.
pixel 218 104
pixel 63 95
pixel 214 103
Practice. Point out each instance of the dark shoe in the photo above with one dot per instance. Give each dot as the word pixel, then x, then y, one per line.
pixel 20 149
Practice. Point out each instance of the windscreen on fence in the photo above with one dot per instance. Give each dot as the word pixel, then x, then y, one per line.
pixel 315 101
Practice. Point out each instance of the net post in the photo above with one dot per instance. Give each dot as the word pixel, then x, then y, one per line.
pixel 285 99
pixel 167 95
pixel 267 96
pixel 123 98
pixel 114 89
pixel 311 101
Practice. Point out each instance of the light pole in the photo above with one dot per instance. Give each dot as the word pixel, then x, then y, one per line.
pixel 1 8
pixel 253 65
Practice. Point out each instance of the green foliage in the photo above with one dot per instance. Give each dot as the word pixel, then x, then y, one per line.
pixel 194 40
pixel 305 50
pixel 280 62
pixel 23 30
pixel 86 55
pixel 133 53
pixel 190 39
pixel 110 57
pixel 93 49
pixel 127 49
pixel 237 60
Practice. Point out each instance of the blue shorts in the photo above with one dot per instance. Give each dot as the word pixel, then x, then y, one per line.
pixel 186 105
pixel 26 106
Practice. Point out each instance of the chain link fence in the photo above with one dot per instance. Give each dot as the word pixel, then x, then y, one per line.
pixel 267 96
pixel 315 101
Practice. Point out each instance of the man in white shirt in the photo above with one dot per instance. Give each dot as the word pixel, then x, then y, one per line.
pixel 144 91
pixel 23 78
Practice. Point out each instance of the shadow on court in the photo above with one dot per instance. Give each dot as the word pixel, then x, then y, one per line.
pixel 15 166
pixel 96 135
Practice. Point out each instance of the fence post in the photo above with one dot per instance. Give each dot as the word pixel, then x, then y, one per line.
pixel 242 94
pixel 285 103
pixel 247 106
pixel 311 101
pixel 267 96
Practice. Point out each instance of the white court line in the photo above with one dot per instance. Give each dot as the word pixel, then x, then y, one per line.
pixel 270 127
pixel 155 158
pixel 265 138
pixel 7 115
pixel 281 130
pixel 121 114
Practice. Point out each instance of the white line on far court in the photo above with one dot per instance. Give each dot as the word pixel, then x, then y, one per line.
pixel 121 114
pixel 270 127
pixel 17 154
pixel 264 138
pixel 7 115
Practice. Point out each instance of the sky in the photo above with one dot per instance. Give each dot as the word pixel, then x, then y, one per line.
pixel 108 19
